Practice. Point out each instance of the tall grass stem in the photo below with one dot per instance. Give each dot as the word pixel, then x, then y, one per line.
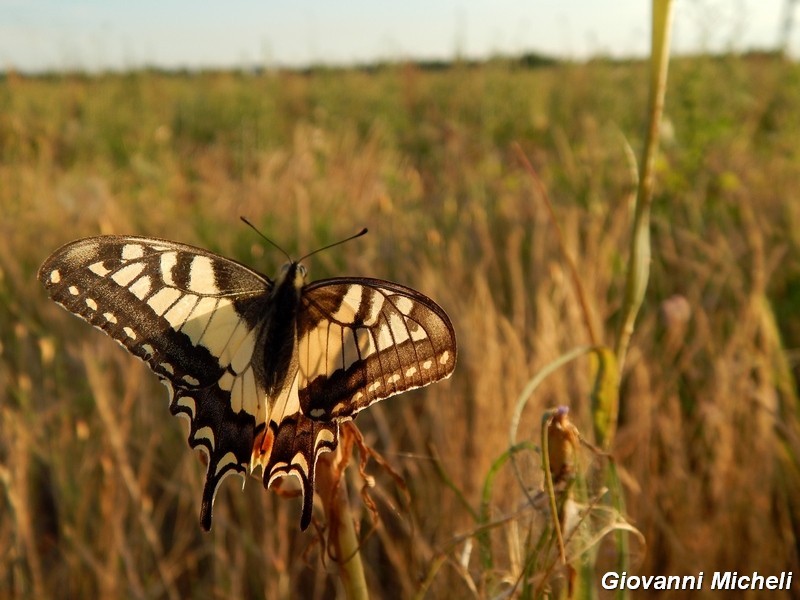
pixel 639 261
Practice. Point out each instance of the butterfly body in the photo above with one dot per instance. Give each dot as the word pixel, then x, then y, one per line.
pixel 264 370
pixel 280 331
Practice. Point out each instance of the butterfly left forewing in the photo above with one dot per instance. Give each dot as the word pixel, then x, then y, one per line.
pixel 182 310
pixel 361 340
pixel 192 316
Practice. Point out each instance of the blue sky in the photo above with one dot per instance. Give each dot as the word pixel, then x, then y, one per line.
pixel 115 34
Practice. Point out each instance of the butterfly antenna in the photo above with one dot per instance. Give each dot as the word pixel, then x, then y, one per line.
pixel 253 227
pixel 352 237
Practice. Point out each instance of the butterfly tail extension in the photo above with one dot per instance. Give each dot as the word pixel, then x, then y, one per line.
pixel 224 436
pixel 296 446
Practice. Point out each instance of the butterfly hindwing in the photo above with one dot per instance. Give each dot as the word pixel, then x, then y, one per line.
pixel 294 447
pixel 225 435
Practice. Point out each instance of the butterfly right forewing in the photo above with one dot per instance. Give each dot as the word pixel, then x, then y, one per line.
pixel 361 340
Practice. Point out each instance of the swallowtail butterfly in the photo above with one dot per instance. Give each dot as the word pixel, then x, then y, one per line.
pixel 264 370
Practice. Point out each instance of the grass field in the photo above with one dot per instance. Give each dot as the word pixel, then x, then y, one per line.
pixel 100 493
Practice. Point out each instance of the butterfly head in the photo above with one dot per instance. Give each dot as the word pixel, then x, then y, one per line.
pixel 292 273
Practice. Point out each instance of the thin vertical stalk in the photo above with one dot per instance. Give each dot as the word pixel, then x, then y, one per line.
pixel 639 261
pixel 343 539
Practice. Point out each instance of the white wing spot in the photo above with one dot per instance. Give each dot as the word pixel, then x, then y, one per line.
pixel 316 412
pixel 444 358
pixel 250 394
pixel 110 317
pixel 276 474
pixel 226 381
pixel 132 251
pixel 228 459
pixel 411 371
pixel 403 304
pixel 191 380
pixel 417 333
pixel 394 378
pixel 188 403
pixel 324 436
pixel 197 321
pixel 427 364
pixel 99 268
pixel 300 461
pixel 180 311
pixel 398 327
pixel 384 338
pixel 73 290
pixel 219 328
pixel 91 303
pixel 129 332
pixel 375 305
pixel 358 396
pixel 320 350
pixel 365 345
pixel 349 305
pixel 349 348
pixel 163 299
pixel 128 273
pixel 206 433
pixel 168 262
pixel 201 276
pixel 55 276
pixel 167 368
pixel 374 386
pixel 244 343
pixel 148 349
pixel 141 287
